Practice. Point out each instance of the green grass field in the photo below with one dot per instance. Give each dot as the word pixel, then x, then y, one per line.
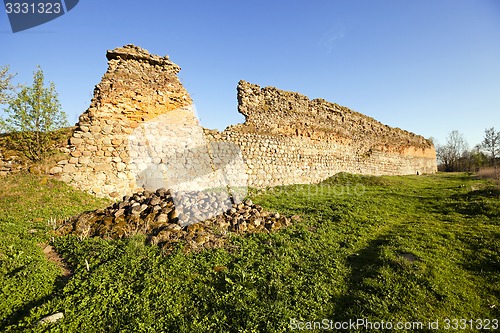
pixel 394 249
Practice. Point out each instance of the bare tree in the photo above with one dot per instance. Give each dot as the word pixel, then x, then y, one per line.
pixel 444 157
pixel 491 143
pixel 451 154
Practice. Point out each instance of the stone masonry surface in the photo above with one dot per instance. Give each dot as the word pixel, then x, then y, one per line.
pixel 136 88
pixel 286 137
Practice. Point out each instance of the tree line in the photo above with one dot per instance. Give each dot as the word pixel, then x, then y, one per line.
pixel 455 154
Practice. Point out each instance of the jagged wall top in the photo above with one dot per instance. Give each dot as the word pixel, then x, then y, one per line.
pixel 273 111
pixel 137 87
pixel 132 52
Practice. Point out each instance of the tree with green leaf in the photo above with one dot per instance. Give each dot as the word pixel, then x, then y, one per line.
pixel 32 116
pixel 6 87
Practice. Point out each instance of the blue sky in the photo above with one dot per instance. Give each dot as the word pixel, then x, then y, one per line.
pixel 427 66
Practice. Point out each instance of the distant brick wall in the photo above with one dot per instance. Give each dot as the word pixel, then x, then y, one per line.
pixel 285 139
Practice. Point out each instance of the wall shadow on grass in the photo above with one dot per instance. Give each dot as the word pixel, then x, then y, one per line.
pixel 364 264
pixel 24 311
pixel 483 258
pixel 477 202
pixel 369 295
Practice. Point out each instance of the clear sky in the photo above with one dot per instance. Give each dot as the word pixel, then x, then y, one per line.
pixel 427 66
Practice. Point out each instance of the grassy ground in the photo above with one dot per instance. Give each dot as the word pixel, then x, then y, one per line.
pixel 392 249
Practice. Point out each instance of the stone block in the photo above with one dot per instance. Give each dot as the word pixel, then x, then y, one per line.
pixel 101 177
pixel 116 142
pixel 107 129
pixel 69 168
pixel 84 160
pixel 103 167
pixel 108 188
pixel 95 129
pixel 76 141
pixel 55 170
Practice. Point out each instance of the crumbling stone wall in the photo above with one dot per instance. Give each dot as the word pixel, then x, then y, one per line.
pixel 137 87
pixel 288 139
pixel 285 139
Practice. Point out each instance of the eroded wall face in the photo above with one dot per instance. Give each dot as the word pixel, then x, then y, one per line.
pixel 274 160
pixel 140 130
pixel 289 139
pixel 107 150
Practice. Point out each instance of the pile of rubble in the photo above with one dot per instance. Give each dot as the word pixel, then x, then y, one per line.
pixel 201 219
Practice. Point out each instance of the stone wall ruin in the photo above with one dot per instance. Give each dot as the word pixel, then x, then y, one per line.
pixel 286 138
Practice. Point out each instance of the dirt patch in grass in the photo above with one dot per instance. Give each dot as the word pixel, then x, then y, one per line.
pixel 51 255
pixel 409 256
